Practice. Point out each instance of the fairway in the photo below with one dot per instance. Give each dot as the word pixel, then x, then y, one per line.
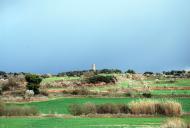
pixel 135 122
pixel 170 92
pixel 79 122
pixel 61 105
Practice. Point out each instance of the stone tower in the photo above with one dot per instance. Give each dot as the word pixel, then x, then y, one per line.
pixel 94 67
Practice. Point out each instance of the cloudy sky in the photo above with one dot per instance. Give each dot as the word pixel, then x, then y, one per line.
pixel 50 36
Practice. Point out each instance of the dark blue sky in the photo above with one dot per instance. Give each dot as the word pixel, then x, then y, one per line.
pixel 50 36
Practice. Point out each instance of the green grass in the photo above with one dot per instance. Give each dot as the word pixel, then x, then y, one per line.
pixel 78 122
pixel 179 82
pixel 82 122
pixel 53 79
pixel 60 106
pixel 170 92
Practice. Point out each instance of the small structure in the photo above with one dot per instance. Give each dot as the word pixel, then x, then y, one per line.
pixel 94 67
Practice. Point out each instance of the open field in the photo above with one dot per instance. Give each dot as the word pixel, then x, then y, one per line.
pixel 170 92
pixel 57 104
pixel 60 106
pixel 54 79
pixel 79 122
pixel 178 82
pixel 35 122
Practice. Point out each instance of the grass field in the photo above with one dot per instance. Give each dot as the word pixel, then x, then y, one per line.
pixel 32 122
pixel 179 82
pixel 53 79
pixel 60 106
pixel 170 92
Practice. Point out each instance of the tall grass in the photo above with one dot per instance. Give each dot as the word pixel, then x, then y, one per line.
pixel 168 108
pixel 175 123
pixel 17 110
pixel 148 107
pixel 20 111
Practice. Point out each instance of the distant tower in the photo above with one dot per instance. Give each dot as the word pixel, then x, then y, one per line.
pixel 94 67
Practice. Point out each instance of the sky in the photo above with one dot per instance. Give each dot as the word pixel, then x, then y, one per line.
pixel 51 36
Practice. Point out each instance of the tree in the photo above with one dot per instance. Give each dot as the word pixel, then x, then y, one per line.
pixel 33 82
pixel 130 71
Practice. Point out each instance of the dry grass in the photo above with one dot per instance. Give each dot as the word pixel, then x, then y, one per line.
pixel 168 108
pixel 174 123
pixel 143 107
pixel 20 111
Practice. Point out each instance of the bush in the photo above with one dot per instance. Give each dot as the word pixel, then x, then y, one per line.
pixel 89 108
pixel 150 107
pixel 169 108
pixel 75 109
pixel 107 108
pixel 20 111
pixel 124 108
pixel 17 110
pixel 109 71
pixel 44 92
pixel 148 73
pixel 80 91
pixel 34 87
pixel 100 78
pixel 33 82
pixel 130 71
pixel 12 83
pixel 147 94
pixel 33 78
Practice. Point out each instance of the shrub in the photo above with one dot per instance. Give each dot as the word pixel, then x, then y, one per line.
pixel 34 87
pixel 80 91
pixel 12 83
pixel 169 108
pixel 89 108
pixel 150 107
pixel 75 109
pixel 174 123
pixel 147 94
pixel 33 78
pixel 124 108
pixel 100 78
pixel 130 71
pixel 2 73
pixel 107 108
pixel 44 92
pixel 148 73
pixel 20 111
pixel 17 110
pixel 33 82
pixel 109 71
pixel 130 93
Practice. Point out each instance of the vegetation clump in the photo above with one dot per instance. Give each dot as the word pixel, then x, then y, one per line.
pixel 175 123
pixel 13 110
pixel 146 107
pixel 168 108
pixel 101 78
pixel 130 71
pixel 33 82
